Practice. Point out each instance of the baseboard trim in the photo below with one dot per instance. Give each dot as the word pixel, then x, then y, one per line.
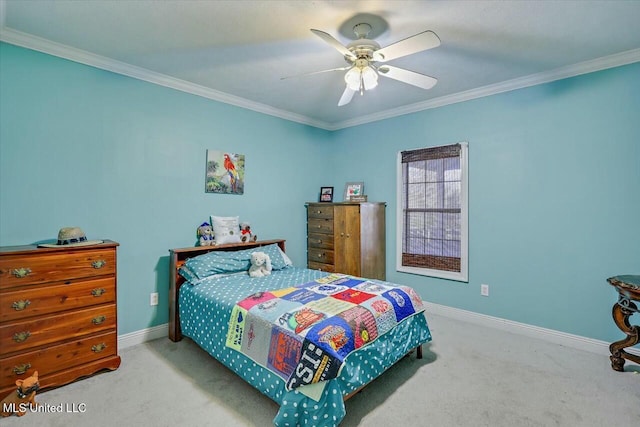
pixel 561 338
pixel 143 335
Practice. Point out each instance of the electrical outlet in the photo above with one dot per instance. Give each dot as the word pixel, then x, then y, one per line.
pixel 153 300
pixel 484 290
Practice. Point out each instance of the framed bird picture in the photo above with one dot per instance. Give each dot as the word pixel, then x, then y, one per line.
pixel 225 172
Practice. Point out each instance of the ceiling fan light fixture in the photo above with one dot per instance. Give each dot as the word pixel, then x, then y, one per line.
pixel 352 78
pixel 369 78
pixel 361 78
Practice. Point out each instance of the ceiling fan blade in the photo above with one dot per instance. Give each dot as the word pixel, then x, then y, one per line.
pixel 317 72
pixel 405 76
pixel 346 97
pixel 418 43
pixel 333 42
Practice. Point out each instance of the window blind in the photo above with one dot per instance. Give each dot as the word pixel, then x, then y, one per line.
pixel 431 208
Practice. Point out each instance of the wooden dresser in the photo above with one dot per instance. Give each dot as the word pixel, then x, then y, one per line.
pixel 347 238
pixel 57 313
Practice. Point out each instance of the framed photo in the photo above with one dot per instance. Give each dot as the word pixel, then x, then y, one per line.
pixel 353 189
pixel 225 172
pixel 326 194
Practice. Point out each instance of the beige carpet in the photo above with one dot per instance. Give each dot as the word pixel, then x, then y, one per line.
pixel 470 376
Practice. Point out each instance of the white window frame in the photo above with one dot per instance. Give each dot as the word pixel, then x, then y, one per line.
pixel 463 275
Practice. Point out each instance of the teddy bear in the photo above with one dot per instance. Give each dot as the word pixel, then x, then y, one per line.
pixel 245 233
pixel 205 234
pixel 25 396
pixel 260 264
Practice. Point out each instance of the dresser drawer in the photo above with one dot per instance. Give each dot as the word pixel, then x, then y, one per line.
pixel 329 268
pixel 27 302
pixel 50 267
pixel 57 358
pixel 321 226
pixel 23 335
pixel 322 256
pixel 319 211
pixel 320 241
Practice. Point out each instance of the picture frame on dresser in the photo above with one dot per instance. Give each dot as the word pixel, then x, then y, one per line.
pixel 326 194
pixel 353 189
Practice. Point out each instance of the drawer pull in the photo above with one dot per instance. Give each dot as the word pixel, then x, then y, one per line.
pixel 21 336
pixel 98 320
pixel 320 255
pixel 319 212
pixel 21 369
pixel 98 347
pixel 21 272
pixel 97 292
pixel 319 226
pixel 20 305
pixel 99 263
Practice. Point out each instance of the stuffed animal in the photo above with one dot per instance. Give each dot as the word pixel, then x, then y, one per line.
pixel 25 396
pixel 260 265
pixel 245 233
pixel 205 234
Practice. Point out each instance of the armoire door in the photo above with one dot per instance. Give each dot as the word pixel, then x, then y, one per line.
pixel 347 239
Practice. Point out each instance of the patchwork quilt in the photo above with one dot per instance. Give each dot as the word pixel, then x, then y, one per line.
pixel 303 333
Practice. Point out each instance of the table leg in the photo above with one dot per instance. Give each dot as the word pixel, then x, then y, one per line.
pixel 621 314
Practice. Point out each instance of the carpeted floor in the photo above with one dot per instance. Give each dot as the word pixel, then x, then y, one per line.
pixel 469 376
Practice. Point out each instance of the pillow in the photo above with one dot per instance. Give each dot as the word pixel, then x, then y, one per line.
pixel 225 262
pixel 226 229
pixel 278 261
pixel 285 257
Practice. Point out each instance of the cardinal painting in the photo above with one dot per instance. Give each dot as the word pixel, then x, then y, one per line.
pixel 225 172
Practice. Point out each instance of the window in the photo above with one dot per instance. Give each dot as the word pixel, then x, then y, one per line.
pixel 432 212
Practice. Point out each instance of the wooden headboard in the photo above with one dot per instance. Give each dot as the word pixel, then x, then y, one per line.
pixel 179 256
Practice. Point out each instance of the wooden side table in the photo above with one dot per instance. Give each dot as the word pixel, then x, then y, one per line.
pixel 628 288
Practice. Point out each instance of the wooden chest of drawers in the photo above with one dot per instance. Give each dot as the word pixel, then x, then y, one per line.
pixel 57 313
pixel 347 238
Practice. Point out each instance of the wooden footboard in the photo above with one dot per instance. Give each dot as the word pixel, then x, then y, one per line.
pixel 179 256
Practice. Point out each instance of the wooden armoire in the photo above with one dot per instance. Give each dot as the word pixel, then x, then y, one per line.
pixel 347 237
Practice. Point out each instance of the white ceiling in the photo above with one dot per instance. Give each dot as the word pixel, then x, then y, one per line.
pixel 237 51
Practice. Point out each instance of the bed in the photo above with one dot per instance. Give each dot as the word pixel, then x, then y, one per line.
pixel 208 287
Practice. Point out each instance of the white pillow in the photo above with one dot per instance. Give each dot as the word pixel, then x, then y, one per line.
pixel 285 257
pixel 226 229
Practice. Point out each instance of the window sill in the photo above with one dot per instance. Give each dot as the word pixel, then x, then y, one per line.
pixel 449 275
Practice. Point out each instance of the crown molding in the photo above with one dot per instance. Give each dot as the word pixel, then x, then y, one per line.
pixel 611 61
pixel 39 44
pixel 77 55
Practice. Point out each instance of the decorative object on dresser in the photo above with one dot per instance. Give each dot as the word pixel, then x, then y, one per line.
pixel 352 189
pixel 347 238
pixel 326 194
pixel 57 313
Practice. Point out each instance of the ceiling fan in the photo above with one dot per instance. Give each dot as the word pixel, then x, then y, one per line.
pixel 367 60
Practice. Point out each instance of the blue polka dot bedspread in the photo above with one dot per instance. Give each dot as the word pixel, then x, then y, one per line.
pixel 205 310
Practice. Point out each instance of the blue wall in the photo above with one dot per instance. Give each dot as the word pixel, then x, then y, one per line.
pixel 554 182
pixel 125 160
pixel 554 202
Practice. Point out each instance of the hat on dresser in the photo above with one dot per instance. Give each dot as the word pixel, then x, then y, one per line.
pixel 70 237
